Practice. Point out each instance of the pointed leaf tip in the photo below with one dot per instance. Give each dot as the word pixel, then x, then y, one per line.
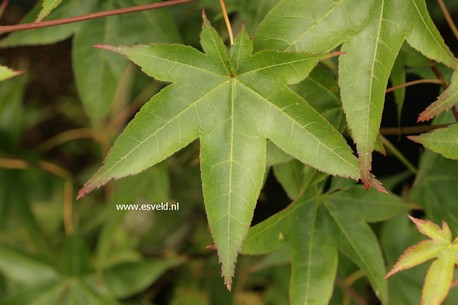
pixel 114 49
pixel 229 287
pixel 204 17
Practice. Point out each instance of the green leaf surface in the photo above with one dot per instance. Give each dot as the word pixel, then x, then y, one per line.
pixel 433 231
pixel 74 257
pixel 23 269
pixel 371 54
pixel 316 227
pixel 320 89
pixel 6 73
pixel 48 7
pixel 219 98
pixel 398 77
pixel 417 255
pixel 127 279
pixel 439 279
pixel 445 101
pixel 372 33
pixel 440 247
pixel 12 113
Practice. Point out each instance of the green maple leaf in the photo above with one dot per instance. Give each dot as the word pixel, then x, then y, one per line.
pixel 6 73
pixel 317 226
pixel 439 247
pixel 232 103
pixel 442 140
pixel 372 33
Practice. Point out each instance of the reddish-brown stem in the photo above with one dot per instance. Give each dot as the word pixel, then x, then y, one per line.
pixel 126 10
pixel 410 130
pixel 415 82
pixel 448 18
pixel 3 7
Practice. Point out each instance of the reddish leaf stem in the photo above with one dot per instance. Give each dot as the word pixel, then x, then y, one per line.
pixel 415 82
pixel 448 18
pixel 410 129
pixel 3 7
pixel 126 10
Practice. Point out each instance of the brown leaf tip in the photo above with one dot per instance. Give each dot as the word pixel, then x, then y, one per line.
pixel 204 16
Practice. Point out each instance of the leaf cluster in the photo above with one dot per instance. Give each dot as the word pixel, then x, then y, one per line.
pixel 219 127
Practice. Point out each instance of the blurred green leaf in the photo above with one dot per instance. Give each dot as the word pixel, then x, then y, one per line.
pixel 6 73
pixel 24 269
pixel 12 112
pixel 317 226
pixel 127 279
pixel 48 7
pixel 74 257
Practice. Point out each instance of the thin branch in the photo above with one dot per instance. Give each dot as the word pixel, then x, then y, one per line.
pixel 226 20
pixel 3 7
pixel 69 135
pixel 126 10
pixel 415 82
pixel 410 129
pixel 439 75
pixel 449 19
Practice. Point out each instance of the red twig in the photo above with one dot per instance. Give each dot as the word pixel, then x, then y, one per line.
pixel 126 10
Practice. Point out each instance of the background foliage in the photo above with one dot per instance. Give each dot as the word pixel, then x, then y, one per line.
pixel 332 245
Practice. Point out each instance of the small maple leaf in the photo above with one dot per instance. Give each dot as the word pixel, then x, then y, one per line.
pixel 232 102
pixel 439 247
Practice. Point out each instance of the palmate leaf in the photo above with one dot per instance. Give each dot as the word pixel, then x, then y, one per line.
pixel 317 227
pixel 439 247
pixel 372 33
pixel 232 103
